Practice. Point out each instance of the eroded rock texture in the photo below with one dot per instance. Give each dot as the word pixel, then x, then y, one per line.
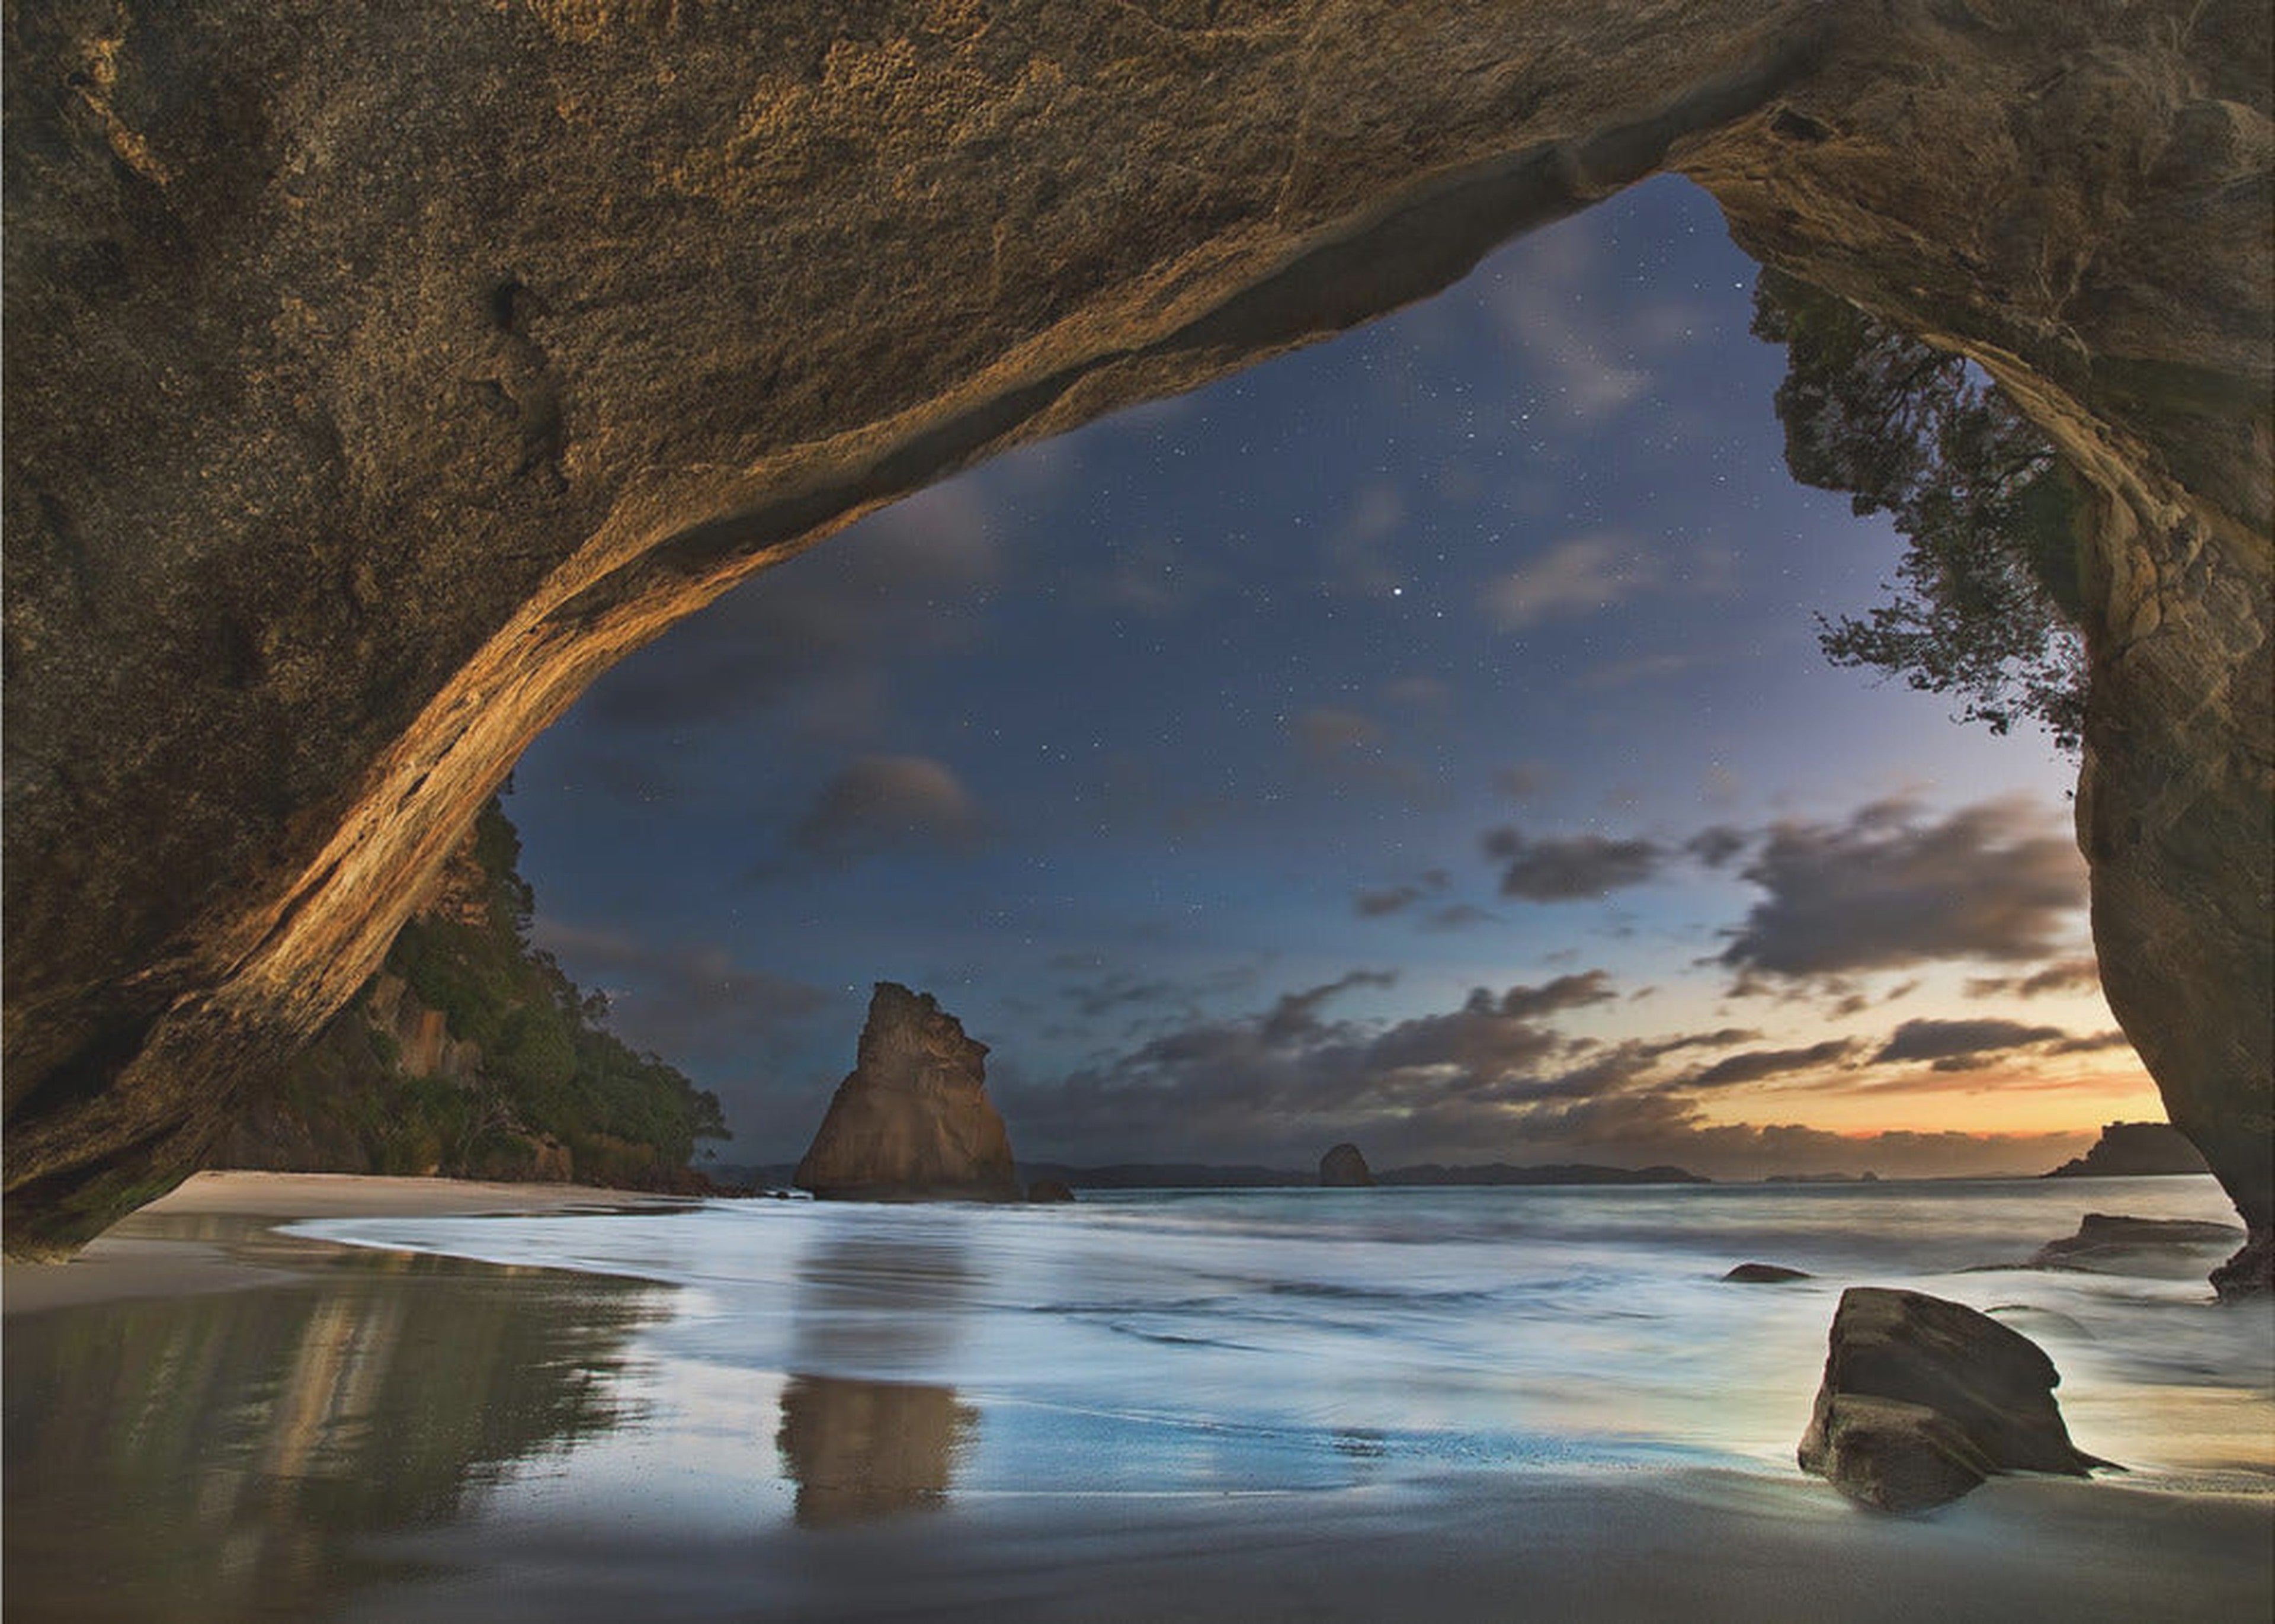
pixel 1922 1400
pixel 911 1121
pixel 377 375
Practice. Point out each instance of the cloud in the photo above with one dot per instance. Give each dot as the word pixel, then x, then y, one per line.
pixel 1716 845
pixel 1578 576
pixel 806 634
pixel 1721 1037
pixel 1290 1073
pixel 1382 902
pixel 2091 1043
pixel 1887 890
pixel 1329 737
pixel 1120 992
pixel 1614 673
pixel 1354 550
pixel 1495 1078
pixel 1583 361
pixel 1570 868
pixel 1351 749
pixel 693 1003
pixel 1719 786
pixel 1941 1040
pixel 1425 695
pixel 1574 992
pixel 883 804
pixel 1458 917
pixel 2070 975
pixel 1153 579
pixel 1130 794
pixel 1756 1064
pixel 1295 1016
pixel 1523 780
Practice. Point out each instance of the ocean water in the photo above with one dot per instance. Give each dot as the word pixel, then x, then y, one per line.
pixel 1341 1399
pixel 823 1362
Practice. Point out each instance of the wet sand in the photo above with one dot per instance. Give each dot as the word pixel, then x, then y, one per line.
pixel 1682 1546
pixel 216 1232
pixel 369 1435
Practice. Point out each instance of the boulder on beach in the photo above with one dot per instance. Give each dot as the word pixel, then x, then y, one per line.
pixel 1764 1275
pixel 1923 1399
pixel 1050 1191
pixel 912 1121
pixel 1344 1169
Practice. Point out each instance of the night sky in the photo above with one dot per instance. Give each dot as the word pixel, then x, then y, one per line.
pixel 1421 739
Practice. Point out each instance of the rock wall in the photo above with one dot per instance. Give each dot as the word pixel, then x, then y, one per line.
pixel 378 375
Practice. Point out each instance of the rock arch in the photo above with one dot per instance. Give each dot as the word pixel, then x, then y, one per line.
pixel 377 376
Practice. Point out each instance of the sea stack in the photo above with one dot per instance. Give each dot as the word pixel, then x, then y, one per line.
pixel 1344 1169
pixel 912 1121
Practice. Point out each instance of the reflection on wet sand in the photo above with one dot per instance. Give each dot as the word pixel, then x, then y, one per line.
pixel 863 1449
pixel 881 1302
pixel 858 1447
pixel 227 1454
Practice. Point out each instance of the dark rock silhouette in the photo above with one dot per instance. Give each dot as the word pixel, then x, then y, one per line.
pixel 2107 1238
pixel 2134 1150
pixel 1764 1275
pixel 1050 1191
pixel 1344 1169
pixel 1922 1400
pixel 911 1121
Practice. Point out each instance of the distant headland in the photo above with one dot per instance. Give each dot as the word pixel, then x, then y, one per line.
pixel 2132 1149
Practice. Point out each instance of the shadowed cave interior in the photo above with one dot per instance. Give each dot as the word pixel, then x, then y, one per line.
pixel 319 778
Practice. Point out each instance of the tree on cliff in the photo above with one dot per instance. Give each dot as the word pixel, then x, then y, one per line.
pixel 1987 599
pixel 548 1075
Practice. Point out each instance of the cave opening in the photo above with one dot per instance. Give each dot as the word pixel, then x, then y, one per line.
pixel 1421 738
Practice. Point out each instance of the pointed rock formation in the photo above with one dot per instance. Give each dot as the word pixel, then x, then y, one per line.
pixel 1344 1169
pixel 912 1121
pixel 1922 1400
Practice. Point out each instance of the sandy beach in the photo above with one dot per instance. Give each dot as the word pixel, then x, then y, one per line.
pixel 208 1419
pixel 216 1232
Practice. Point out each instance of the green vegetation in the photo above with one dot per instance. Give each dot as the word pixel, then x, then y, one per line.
pixel 1987 601
pixel 553 1093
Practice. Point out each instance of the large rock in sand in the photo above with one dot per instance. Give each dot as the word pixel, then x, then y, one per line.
pixel 1923 1399
pixel 1342 1168
pixel 912 1121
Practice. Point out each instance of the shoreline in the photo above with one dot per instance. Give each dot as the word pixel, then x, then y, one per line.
pixel 759 1505
pixel 222 1231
